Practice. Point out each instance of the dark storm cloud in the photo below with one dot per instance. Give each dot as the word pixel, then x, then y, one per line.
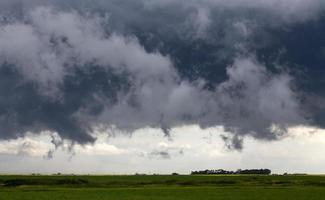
pixel 69 67
pixel 232 142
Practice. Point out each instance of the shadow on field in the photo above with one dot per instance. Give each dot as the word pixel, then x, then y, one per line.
pixel 26 182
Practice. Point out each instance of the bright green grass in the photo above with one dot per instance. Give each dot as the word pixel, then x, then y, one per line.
pixel 164 187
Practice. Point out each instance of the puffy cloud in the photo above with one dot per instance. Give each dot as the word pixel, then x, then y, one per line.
pixel 70 71
pixel 253 99
pixel 51 42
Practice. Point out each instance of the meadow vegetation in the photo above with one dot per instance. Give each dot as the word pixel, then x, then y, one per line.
pixel 162 187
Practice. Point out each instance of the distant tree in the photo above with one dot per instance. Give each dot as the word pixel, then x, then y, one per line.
pixel 239 171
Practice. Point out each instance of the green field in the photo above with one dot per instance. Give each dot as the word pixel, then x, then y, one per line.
pixel 162 187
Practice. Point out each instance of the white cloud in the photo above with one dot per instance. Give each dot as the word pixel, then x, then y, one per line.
pixel 99 149
pixel 30 146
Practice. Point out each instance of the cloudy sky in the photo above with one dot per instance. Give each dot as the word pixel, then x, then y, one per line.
pixel 157 86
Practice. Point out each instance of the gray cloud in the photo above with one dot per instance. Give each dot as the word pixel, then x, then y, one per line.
pixel 252 95
pixel 69 69
pixel 287 9
pixel 233 142
pixel 160 154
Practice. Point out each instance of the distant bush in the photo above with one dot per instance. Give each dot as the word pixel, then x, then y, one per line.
pixel 138 174
pixel 71 181
pixel 16 182
pixel 21 182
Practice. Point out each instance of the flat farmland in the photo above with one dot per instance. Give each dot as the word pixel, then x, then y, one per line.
pixel 250 187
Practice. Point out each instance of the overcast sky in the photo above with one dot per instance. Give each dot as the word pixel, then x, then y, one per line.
pixel 156 86
pixel 190 149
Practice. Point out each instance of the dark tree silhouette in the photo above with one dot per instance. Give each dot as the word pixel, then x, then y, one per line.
pixel 239 171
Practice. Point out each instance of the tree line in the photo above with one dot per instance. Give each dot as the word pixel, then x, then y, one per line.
pixel 239 171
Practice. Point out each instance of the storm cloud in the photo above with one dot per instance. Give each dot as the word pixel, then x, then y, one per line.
pixel 71 67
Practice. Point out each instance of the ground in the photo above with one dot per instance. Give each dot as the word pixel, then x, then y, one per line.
pixel 248 187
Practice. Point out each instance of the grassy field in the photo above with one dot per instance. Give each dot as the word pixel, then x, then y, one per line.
pixel 162 187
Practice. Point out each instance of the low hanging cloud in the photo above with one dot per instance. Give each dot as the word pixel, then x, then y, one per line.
pixel 24 147
pixel 69 71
